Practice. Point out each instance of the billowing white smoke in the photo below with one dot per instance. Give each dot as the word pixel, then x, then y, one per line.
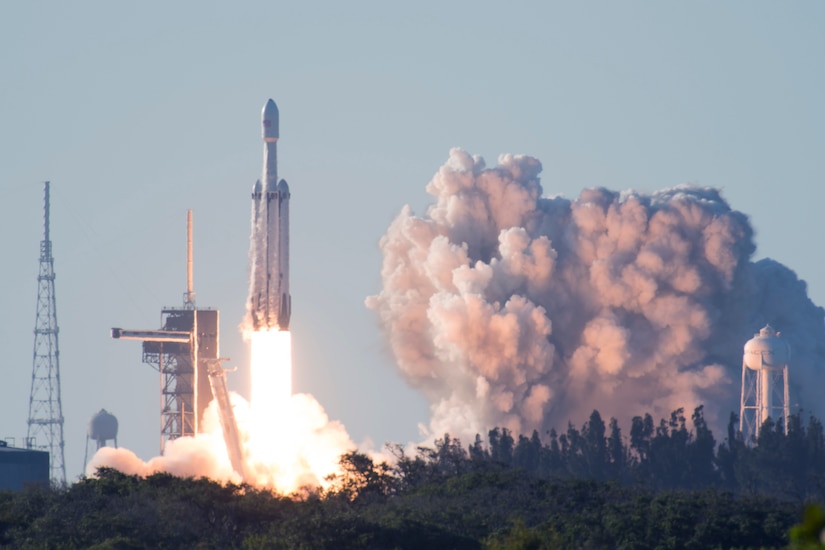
pixel 507 308
pixel 292 454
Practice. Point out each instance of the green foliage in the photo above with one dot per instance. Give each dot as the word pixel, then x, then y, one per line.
pixel 666 486
pixel 810 534
pixel 521 537
pixel 362 479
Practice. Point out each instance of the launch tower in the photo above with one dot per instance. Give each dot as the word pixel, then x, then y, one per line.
pixel 764 382
pixel 185 352
pixel 45 431
pixel 181 351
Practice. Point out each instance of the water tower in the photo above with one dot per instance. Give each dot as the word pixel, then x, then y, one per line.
pixel 102 428
pixel 764 382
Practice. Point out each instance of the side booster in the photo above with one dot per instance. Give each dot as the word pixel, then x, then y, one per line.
pixel 270 302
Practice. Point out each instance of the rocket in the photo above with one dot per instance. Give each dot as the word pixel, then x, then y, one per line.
pixel 269 301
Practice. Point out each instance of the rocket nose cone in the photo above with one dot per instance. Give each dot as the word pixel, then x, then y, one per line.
pixel 270 107
pixel 269 119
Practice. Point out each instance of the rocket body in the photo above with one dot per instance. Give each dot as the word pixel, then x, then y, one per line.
pixel 270 303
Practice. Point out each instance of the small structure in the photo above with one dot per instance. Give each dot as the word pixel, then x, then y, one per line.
pixel 22 467
pixel 102 428
pixel 764 382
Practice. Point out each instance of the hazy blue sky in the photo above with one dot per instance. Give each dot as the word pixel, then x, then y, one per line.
pixel 138 111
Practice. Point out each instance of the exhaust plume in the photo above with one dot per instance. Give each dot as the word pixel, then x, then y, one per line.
pixel 508 308
pixel 293 453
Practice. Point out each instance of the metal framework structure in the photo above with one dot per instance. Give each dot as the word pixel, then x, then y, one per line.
pixel 217 380
pixel 178 378
pixel 181 352
pixel 188 338
pixel 170 352
pixel 764 395
pixel 45 430
pixel 764 383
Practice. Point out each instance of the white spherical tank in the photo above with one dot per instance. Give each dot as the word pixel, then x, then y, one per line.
pixel 766 350
pixel 103 426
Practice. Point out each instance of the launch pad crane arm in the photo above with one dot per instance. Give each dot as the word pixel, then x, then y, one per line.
pixel 180 337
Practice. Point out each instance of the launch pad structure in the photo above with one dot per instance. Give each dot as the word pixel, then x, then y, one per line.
pixel 185 352
pixel 180 351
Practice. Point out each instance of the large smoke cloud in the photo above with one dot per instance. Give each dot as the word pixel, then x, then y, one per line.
pixel 508 308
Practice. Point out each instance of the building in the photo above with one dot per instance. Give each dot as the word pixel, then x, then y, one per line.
pixel 22 467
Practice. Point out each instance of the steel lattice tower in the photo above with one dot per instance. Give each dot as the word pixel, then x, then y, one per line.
pixel 45 407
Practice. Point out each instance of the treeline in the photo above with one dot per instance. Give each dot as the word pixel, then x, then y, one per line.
pixel 665 485
pixel 495 508
pixel 673 454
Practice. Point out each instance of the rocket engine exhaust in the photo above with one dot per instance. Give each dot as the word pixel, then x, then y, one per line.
pixel 250 435
pixel 269 301
pixel 511 308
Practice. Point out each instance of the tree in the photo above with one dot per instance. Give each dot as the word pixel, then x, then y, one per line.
pixel 501 445
pixel 527 454
pixel 361 478
pixel 478 454
pixel 729 455
pixel 700 453
pixel 554 461
pixel 594 447
pixel 617 452
pixel 641 431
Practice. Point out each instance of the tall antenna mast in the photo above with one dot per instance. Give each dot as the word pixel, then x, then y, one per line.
pixel 45 430
pixel 189 295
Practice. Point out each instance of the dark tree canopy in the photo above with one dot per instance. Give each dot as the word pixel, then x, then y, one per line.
pixel 664 485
